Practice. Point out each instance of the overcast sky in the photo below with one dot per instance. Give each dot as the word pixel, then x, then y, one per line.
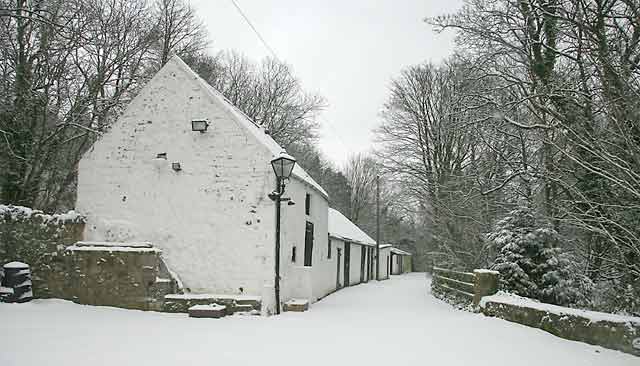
pixel 347 51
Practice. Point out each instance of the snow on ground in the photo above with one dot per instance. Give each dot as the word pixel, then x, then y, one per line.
pixel 394 322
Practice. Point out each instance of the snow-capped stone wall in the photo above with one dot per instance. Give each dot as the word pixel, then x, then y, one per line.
pixel 607 330
pixel 38 239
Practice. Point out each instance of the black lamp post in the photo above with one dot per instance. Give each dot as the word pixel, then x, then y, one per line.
pixel 282 166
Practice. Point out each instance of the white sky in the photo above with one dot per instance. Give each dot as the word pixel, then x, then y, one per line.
pixel 347 51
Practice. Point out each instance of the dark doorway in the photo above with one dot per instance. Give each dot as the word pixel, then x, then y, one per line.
pixel 308 245
pixel 371 264
pixel 368 260
pixel 347 260
pixel 388 266
pixel 338 269
pixel 363 259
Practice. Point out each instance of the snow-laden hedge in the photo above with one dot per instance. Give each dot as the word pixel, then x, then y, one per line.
pixel 39 239
pixel 603 329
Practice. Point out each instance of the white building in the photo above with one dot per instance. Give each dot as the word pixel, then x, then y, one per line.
pixel 400 261
pixel 202 198
pixel 353 252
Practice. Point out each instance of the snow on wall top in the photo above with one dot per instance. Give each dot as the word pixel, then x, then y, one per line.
pixel 26 213
pixel 113 244
pixel 15 265
pixel 342 228
pixel 257 131
pixel 399 251
pixel 593 316
pixel 111 249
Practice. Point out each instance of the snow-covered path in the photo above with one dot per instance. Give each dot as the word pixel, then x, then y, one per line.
pixel 395 322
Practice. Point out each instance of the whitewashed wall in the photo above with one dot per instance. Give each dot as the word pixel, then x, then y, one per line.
pixel 213 220
pixel 385 254
pixel 294 221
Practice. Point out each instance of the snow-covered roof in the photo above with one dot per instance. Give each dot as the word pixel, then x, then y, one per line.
pixel 399 251
pixel 342 228
pixel 256 130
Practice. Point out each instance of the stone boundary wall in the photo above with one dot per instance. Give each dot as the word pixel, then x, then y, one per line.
pixel 602 329
pixel 463 288
pixel 40 240
pixel 124 275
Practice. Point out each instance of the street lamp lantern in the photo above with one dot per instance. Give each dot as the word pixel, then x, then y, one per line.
pixel 283 165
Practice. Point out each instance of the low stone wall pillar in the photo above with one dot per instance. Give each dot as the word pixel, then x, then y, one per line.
pixel 485 284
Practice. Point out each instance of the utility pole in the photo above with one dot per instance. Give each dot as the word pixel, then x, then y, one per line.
pixel 378 227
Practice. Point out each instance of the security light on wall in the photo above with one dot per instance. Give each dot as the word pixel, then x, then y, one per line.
pixel 199 125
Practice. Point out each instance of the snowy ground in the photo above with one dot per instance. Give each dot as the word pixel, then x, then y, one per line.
pixel 395 322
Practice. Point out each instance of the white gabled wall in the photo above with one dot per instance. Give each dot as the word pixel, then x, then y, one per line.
pixel 299 282
pixel 212 220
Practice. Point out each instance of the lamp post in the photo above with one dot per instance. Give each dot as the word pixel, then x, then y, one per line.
pixel 282 166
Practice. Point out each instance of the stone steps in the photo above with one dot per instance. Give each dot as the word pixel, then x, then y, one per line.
pixel 180 303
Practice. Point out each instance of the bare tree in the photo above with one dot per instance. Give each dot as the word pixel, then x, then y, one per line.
pixel 178 30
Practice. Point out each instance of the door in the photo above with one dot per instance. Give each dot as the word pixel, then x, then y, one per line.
pixel 347 259
pixel 308 244
pixel 338 269
pixel 388 266
pixel 368 259
pixel 363 259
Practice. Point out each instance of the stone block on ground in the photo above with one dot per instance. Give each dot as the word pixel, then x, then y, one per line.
pixel 214 311
pixel 297 305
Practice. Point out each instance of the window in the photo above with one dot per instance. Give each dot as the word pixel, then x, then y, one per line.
pixel 307 204
pixel 293 255
pixel 329 249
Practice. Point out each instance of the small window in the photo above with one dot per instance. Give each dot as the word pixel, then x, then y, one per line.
pixel 293 255
pixel 329 249
pixel 307 204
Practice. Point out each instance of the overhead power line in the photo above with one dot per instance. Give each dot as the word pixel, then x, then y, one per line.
pixel 273 53
pixel 264 42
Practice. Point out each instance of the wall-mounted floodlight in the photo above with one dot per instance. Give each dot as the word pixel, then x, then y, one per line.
pixel 199 125
pixel 176 167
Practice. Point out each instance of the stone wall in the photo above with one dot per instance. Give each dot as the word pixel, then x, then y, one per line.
pixel 62 266
pixel 39 240
pixel 606 330
pixel 127 275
